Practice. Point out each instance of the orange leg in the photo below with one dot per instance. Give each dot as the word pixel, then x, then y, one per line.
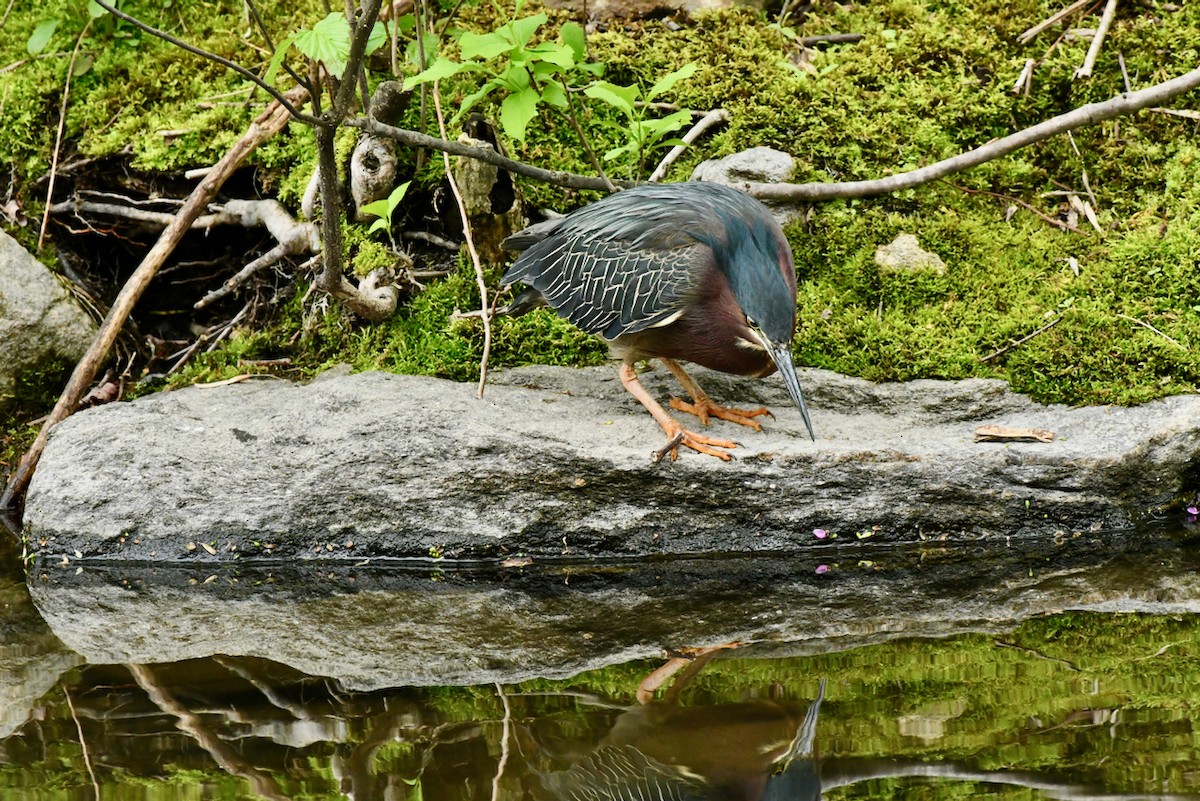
pixel 692 658
pixel 704 406
pixel 676 434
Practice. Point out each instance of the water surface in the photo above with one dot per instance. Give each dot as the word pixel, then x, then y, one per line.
pixel 892 673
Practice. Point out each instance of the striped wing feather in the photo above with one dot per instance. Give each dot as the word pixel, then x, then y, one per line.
pixel 616 267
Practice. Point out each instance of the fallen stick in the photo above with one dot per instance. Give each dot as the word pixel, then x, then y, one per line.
pixel 1089 61
pixel 1022 340
pixel 1090 114
pixel 270 122
pixel 707 121
pixel 1044 24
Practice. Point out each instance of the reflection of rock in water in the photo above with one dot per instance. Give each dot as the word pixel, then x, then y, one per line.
pixel 652 754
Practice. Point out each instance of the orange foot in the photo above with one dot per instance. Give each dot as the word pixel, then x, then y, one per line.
pixel 678 435
pixel 705 407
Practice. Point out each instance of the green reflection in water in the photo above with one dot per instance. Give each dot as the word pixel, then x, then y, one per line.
pixel 1062 705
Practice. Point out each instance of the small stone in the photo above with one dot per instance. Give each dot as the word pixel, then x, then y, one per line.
pixel 905 254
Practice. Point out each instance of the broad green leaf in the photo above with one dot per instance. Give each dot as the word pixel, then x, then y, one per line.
pixel 442 68
pixel 385 208
pixel 617 151
pixel 619 97
pixel 327 42
pixel 483 45
pixel 381 224
pixel 277 58
pixel 593 68
pixel 413 52
pixel 553 94
pixel 671 122
pixel 406 22
pixel 377 39
pixel 573 36
pixel 524 29
pixel 83 64
pixel 557 54
pixel 95 10
pixel 667 81
pixel 514 77
pixel 41 36
pixel 517 110
pixel 470 101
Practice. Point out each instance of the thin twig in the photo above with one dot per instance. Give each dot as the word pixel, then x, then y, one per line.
pixel 1149 327
pixel 1019 202
pixel 484 154
pixel 707 121
pixel 62 124
pixel 7 11
pixel 1089 61
pixel 462 210
pixel 1090 114
pixel 1022 340
pixel 583 138
pixel 87 757
pixel 1124 71
pixel 831 38
pixel 1061 15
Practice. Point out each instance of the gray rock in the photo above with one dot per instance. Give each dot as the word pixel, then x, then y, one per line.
pixel 375 627
pixel 764 164
pixel 905 254
pixel 555 461
pixel 758 164
pixel 40 323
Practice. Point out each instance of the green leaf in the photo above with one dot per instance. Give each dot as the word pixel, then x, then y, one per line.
pixel 277 58
pixel 377 39
pixel 470 101
pixel 630 147
pixel 327 42
pixel 95 10
pixel 556 54
pixel 517 110
pixel 667 81
pixel 619 97
pixel 41 36
pixel 572 35
pixel 384 209
pixel 483 45
pixel 442 68
pixel 553 94
pixel 524 29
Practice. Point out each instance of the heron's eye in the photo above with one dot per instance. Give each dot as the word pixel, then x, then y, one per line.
pixel 750 322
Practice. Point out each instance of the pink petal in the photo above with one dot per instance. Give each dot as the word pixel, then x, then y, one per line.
pixel 1192 510
pixel 822 569
pixel 820 533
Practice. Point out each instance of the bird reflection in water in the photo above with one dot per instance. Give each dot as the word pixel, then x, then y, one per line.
pixel 758 750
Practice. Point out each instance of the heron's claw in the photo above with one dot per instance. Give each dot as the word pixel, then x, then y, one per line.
pixel 705 407
pixel 678 435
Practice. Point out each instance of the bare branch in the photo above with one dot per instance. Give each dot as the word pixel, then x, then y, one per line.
pixel 415 139
pixel 1090 114
pixel 707 121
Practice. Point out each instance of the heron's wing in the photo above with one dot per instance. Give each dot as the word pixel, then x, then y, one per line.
pixel 612 286
pixel 621 773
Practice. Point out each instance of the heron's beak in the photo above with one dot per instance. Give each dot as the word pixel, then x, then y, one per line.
pixel 782 356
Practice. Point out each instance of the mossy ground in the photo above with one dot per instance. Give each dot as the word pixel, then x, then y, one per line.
pixel 929 80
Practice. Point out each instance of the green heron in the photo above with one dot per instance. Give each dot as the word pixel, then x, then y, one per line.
pixel 693 272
